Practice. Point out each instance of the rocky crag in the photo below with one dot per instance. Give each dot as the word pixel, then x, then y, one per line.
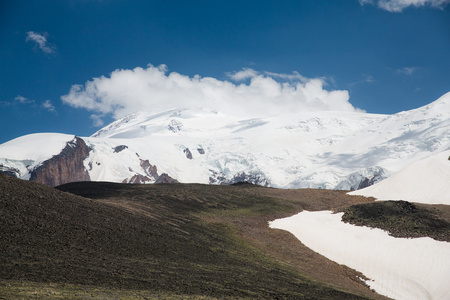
pixel 64 167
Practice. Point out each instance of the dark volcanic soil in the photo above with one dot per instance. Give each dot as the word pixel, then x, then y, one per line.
pixel 181 239
pixel 401 219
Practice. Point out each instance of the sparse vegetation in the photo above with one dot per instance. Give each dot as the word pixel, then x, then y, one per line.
pixel 172 241
pixel 400 218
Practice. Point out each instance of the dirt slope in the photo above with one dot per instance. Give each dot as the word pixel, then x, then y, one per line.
pixel 175 239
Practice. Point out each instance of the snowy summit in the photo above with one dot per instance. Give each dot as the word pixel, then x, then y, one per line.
pixel 332 150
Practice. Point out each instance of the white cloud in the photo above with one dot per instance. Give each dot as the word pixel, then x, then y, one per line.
pixel 23 100
pixel 248 73
pixel 399 5
pixel 407 71
pixel 154 89
pixel 48 106
pixel 97 120
pixel 291 77
pixel 40 40
pixel 244 74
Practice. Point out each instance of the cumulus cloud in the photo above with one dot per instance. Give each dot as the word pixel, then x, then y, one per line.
pixel 399 5
pixel 154 89
pixel 40 40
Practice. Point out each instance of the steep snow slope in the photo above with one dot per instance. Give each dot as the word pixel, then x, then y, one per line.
pixel 25 153
pixel 424 181
pixel 335 150
pixel 290 151
pixel 320 150
pixel 399 268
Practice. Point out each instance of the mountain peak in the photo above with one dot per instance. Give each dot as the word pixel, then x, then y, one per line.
pixel 333 150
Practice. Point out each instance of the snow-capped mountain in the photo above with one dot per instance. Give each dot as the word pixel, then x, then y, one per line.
pixel 334 150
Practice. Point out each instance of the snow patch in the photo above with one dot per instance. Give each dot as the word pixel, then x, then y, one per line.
pixel 398 268
pixel 424 181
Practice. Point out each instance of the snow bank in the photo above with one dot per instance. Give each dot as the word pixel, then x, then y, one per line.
pixel 35 147
pixel 398 268
pixel 424 181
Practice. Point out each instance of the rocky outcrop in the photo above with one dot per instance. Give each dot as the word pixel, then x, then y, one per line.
pixel 149 169
pixel 201 150
pixel 188 153
pixel 164 178
pixel 64 167
pixel 367 182
pixel 120 148
pixel 138 179
pixel 256 178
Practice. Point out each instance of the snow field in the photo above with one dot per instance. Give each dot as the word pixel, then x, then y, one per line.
pixel 397 267
pixel 35 147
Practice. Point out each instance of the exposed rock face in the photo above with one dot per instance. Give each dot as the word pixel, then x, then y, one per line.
pixel 120 148
pixel 149 169
pixel 256 178
pixel 164 178
pixel 151 174
pixel 201 150
pixel 65 167
pixel 188 153
pixel 137 179
pixel 217 177
pixel 367 182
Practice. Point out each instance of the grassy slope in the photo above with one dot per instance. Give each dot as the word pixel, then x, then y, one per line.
pixel 163 241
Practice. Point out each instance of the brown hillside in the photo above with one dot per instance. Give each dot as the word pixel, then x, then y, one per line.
pixel 175 239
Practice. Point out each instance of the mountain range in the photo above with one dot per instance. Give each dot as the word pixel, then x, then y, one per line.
pixel 329 150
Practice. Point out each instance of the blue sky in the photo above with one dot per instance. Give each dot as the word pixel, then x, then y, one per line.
pixel 380 56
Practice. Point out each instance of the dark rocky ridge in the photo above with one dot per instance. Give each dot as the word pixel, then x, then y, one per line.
pixel 367 182
pixel 165 178
pixel 400 219
pixel 64 167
